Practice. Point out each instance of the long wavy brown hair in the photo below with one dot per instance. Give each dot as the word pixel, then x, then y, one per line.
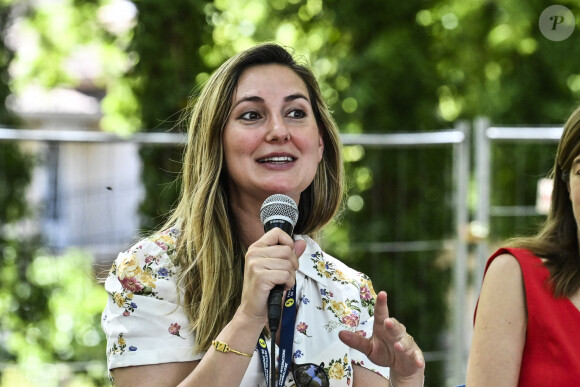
pixel 557 240
pixel 209 251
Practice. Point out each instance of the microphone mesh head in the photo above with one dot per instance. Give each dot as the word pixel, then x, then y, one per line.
pixel 279 206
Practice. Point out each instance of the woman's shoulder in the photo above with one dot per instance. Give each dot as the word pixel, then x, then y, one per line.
pixel 153 247
pixel 518 253
pixel 515 260
pixel 140 268
pixel 502 288
pixel 504 265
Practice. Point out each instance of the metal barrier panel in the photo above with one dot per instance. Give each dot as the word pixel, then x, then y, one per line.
pixel 486 136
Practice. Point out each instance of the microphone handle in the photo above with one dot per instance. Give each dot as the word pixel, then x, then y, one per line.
pixel 275 296
pixel 275 307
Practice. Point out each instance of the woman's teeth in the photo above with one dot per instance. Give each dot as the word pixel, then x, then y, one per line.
pixel 277 160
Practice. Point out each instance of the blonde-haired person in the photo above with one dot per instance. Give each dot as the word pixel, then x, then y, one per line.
pixel 527 321
pixel 188 306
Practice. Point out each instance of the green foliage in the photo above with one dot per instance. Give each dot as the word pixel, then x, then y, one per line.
pixel 15 169
pixel 71 45
pixel 168 42
pixel 15 165
pixel 50 310
pixel 65 32
pixel 49 306
pixel 505 69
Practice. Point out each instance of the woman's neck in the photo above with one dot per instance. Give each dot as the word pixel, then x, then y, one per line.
pixel 247 218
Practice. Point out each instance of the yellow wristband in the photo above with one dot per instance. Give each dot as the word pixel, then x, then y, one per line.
pixel 224 348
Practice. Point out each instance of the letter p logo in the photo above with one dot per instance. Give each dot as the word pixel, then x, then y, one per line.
pixel 557 22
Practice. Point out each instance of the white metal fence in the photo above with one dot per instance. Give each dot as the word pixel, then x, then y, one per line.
pixel 486 137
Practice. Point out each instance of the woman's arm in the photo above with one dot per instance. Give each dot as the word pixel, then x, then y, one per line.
pixel 240 334
pixel 362 376
pixel 162 375
pixel 500 326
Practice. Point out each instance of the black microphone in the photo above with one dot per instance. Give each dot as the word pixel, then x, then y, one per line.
pixel 278 211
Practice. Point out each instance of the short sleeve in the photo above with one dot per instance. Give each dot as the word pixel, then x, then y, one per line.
pixel 143 320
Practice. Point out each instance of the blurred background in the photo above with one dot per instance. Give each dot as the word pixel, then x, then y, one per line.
pixel 449 110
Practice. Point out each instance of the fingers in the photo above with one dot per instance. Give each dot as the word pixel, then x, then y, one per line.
pixel 275 236
pixel 268 272
pixel 396 330
pixel 277 244
pixel 356 341
pixel 405 343
pixel 390 344
pixel 381 307
pixel 299 247
pixel 418 357
pixel 269 261
pixel 408 346
pixel 272 260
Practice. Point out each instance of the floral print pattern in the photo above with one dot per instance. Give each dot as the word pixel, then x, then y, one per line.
pixel 143 316
pixel 174 329
pixel 338 368
pixel 119 346
pixel 139 271
pixel 301 328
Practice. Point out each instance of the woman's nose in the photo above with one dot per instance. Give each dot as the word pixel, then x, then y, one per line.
pixel 277 130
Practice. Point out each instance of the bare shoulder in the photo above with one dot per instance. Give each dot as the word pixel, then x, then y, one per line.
pixel 503 288
pixel 506 261
pixel 504 267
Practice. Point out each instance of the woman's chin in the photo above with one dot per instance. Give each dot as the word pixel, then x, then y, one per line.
pixel 289 190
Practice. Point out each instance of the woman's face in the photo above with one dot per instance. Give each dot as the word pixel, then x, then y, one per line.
pixel 271 139
pixel 574 189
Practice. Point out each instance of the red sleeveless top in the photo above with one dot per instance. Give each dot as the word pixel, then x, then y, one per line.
pixel 551 354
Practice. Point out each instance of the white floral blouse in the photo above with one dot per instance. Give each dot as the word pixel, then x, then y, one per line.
pixel 145 324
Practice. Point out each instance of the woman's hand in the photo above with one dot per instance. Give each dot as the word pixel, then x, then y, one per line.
pixel 390 346
pixel 271 260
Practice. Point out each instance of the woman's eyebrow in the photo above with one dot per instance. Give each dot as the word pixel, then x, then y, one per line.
pixel 295 96
pixel 252 98
pixel 255 98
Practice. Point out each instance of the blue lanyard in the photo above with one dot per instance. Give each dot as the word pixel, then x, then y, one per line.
pixel 286 341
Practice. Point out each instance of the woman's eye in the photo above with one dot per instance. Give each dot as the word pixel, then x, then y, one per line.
pixel 250 116
pixel 297 113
